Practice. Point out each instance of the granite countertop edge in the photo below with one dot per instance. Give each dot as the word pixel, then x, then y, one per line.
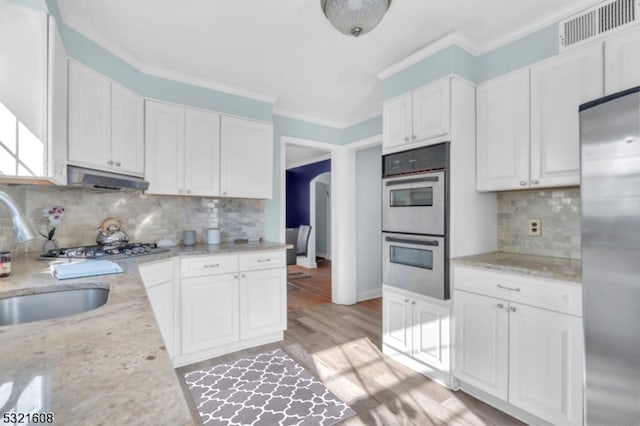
pixel 107 365
pixel 539 266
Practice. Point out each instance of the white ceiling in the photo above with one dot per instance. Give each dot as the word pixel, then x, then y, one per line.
pixel 297 156
pixel 286 49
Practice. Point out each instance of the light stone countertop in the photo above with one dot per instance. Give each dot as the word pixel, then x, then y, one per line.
pixel 101 367
pixel 541 266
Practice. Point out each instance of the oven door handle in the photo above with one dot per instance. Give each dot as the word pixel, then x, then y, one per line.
pixel 413 180
pixel 413 242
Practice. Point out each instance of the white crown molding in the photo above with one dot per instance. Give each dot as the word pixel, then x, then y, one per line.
pixel 429 50
pixel 477 50
pixel 338 125
pixel 79 26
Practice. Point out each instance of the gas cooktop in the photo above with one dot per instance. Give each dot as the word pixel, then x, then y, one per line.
pixel 114 252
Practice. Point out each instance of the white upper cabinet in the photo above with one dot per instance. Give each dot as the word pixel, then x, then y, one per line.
pixel 421 115
pixel 202 153
pixel 528 122
pixel 164 143
pixel 246 158
pixel 182 150
pixel 127 131
pixel 105 123
pixel 622 62
pixel 503 133
pixel 558 87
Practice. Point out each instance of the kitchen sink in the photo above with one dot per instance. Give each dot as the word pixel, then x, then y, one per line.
pixel 49 305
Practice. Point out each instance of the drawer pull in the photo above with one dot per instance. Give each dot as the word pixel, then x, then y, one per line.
pixel 264 260
pixel 512 309
pixel 500 305
pixel 504 287
pixel 406 300
pixel 215 265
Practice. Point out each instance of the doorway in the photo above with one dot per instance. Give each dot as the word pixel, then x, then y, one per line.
pixel 308 203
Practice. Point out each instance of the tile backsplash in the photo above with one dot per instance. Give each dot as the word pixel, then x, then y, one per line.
pixel 147 217
pixel 559 213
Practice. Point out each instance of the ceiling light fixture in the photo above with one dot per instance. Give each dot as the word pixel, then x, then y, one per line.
pixel 355 17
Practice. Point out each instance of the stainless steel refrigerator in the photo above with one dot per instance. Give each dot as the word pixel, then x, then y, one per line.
pixel 610 189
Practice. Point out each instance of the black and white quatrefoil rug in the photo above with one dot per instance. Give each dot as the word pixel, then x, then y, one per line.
pixel 266 390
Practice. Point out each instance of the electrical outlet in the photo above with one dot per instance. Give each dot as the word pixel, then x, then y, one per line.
pixel 535 227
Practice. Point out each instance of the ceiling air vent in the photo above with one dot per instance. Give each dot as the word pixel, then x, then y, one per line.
pixel 597 21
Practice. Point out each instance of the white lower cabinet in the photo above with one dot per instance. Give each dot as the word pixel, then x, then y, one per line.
pixel 416 331
pixel 209 311
pixel 230 302
pixel 158 282
pixel 528 356
pixel 263 302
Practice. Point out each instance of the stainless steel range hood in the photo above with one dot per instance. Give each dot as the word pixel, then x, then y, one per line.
pixel 89 178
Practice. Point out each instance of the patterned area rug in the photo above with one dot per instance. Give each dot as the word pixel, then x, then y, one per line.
pixel 268 389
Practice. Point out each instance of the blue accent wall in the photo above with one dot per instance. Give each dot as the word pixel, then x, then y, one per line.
pixel 298 179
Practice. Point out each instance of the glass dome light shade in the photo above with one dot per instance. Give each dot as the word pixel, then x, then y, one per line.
pixel 355 17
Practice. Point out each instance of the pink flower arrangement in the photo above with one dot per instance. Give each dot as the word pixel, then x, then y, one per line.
pixel 54 217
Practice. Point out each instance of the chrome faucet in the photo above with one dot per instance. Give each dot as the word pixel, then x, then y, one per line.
pixel 21 226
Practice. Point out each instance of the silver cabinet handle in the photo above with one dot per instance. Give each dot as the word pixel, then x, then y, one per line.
pixel 118 164
pixel 500 305
pixel 264 260
pixel 406 139
pixel 413 303
pixel 406 300
pixel 180 191
pixel 512 309
pixel 188 191
pixel 504 287
pixel 414 137
pixel 110 163
pixel 213 265
pixel 235 277
pixel 535 182
pixel 523 183
pixel 243 276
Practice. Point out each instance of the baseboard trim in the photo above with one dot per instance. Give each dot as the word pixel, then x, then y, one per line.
pixel 306 262
pixel 369 294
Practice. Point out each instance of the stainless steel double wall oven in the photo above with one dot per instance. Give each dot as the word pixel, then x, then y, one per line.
pixel 415 196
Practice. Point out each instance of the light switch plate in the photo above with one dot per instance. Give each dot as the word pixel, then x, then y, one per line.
pixel 535 227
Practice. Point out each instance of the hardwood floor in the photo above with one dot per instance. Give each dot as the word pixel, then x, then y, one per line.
pixel 340 345
pixel 315 287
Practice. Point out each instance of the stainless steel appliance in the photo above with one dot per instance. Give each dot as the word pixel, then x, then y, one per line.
pixel 414 220
pixel 610 189
pixel 113 252
pixel 89 178
pixel 415 263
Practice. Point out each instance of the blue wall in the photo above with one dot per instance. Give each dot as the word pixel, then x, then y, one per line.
pixel 297 184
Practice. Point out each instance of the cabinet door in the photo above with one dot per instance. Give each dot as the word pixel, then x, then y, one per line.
pixel 622 62
pixel 503 133
pixel 431 110
pixel 89 118
pixel 545 364
pixel 263 302
pixel 558 87
pixel 127 131
pixel 246 168
pixel 482 328
pixel 430 343
pixel 209 312
pixel 202 153
pixel 396 122
pixel 158 282
pixel 164 148
pixel 396 321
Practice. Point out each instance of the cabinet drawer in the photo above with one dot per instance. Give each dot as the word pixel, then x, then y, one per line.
pixel 155 273
pixel 262 260
pixel 208 265
pixel 560 296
